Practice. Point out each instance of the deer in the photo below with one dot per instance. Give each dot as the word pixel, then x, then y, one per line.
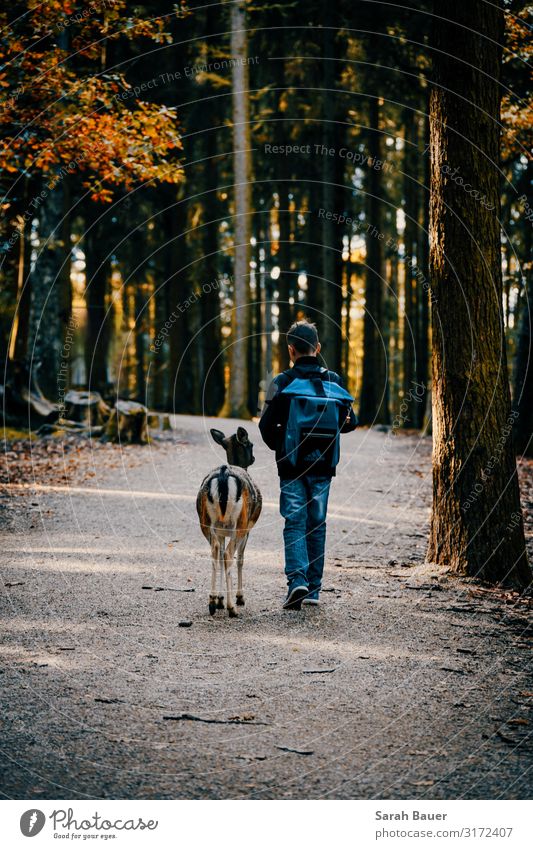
pixel 228 505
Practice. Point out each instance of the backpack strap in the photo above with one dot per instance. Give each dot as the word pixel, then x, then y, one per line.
pixel 318 383
pixel 316 379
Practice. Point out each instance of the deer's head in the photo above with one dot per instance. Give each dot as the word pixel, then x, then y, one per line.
pixel 239 450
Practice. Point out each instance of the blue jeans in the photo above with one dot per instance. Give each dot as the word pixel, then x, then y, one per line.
pixel 303 504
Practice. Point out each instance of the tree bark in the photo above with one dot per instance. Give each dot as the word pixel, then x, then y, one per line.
pixel 476 522
pixel 237 402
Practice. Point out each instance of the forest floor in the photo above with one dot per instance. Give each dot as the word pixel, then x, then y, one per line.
pixel 407 682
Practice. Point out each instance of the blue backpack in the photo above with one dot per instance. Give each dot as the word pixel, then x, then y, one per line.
pixel 318 407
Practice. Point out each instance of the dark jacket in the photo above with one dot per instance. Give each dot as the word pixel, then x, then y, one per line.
pixel 276 413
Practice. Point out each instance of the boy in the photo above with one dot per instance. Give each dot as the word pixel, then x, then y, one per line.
pixel 304 482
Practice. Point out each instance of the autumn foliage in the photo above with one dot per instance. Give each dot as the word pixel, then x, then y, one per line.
pixel 65 107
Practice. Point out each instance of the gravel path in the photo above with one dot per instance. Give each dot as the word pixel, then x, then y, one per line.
pixel 405 683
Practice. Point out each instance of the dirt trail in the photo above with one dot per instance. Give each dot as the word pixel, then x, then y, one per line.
pixel 401 685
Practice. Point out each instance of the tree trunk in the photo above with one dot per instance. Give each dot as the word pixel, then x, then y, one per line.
pixel 211 116
pixel 395 370
pixel 411 401
pixel 65 287
pixel 422 261
pixel 328 330
pixel 237 403
pixel 180 378
pixel 476 522
pixel 213 381
pixel 313 239
pixel 18 348
pixel 373 408
pixel 159 361
pixel 141 322
pixel 523 376
pixel 341 206
pixel 285 282
pixel 45 321
pixel 98 273
pixel 254 348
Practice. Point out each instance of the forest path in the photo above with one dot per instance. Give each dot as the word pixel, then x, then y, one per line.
pixel 400 685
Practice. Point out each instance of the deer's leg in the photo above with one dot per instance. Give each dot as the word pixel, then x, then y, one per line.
pixel 241 545
pixel 220 601
pixel 228 563
pixel 215 559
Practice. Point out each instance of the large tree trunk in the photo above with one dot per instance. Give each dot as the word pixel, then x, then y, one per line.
pixel 476 523
pixel 373 408
pixel 237 402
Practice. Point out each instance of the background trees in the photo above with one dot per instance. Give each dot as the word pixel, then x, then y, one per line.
pixel 178 186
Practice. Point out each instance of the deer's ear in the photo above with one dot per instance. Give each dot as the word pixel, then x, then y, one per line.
pixel 242 435
pixel 218 436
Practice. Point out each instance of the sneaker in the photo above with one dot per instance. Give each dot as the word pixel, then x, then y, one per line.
pixel 311 599
pixel 295 596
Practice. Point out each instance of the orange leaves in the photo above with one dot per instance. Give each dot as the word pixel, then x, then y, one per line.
pixel 517 103
pixel 102 195
pixel 67 118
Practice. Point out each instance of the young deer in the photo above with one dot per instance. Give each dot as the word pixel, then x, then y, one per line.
pixel 228 505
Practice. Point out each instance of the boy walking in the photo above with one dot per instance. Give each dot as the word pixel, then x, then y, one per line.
pixel 305 410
